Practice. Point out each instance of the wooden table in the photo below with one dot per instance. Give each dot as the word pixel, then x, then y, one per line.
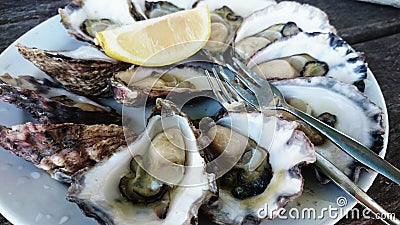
pixel 372 29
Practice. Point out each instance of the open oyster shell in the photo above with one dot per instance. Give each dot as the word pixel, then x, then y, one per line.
pixel 49 103
pixel 340 60
pixel 84 18
pixel 278 20
pixel 238 7
pixel 355 115
pixel 187 185
pixel 287 148
pixel 153 9
pixel 156 8
pixel 63 149
pixel 224 23
pixel 136 85
pixel 84 71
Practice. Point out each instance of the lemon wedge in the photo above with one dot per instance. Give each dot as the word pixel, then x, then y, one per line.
pixel 159 41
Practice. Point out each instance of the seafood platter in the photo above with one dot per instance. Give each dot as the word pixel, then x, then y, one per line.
pixel 94 140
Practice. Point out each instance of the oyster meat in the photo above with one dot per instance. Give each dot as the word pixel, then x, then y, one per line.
pixel 276 21
pixel 158 179
pixel 49 103
pixel 267 176
pixel 63 149
pixel 314 53
pixel 354 114
pixel 84 71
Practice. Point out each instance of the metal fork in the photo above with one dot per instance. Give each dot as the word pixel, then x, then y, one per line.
pixel 231 96
pixel 343 141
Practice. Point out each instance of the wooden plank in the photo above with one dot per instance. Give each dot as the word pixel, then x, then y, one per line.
pixel 383 58
pixel 17 17
pixel 360 21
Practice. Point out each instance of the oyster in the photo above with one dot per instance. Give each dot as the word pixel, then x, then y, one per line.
pixel 185 4
pixel 159 8
pixel 238 7
pixel 63 149
pixel 83 71
pixel 343 62
pixel 84 18
pixel 134 86
pixel 165 183
pixel 355 115
pixel 224 24
pixel 265 178
pixel 278 20
pixel 49 103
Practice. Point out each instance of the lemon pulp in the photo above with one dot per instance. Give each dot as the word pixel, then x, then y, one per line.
pixel 159 41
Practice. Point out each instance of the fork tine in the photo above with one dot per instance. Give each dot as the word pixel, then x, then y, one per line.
pixel 233 86
pixel 214 87
pixel 244 94
pixel 222 87
pixel 239 91
pixel 226 84
pixel 249 86
pixel 276 91
pixel 218 87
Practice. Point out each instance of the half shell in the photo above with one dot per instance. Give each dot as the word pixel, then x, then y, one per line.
pixel 97 190
pixel 238 7
pixel 344 63
pixel 278 20
pixel 355 114
pixel 307 17
pixel 159 8
pixel 135 86
pixel 224 23
pixel 287 149
pixel 83 18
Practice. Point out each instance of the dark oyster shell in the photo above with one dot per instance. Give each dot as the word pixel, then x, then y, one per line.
pixel 63 149
pixel 84 76
pixel 39 97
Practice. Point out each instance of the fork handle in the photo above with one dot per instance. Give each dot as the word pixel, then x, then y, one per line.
pixel 348 144
pixel 350 187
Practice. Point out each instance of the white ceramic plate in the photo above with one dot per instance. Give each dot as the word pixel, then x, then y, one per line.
pixel 30 196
